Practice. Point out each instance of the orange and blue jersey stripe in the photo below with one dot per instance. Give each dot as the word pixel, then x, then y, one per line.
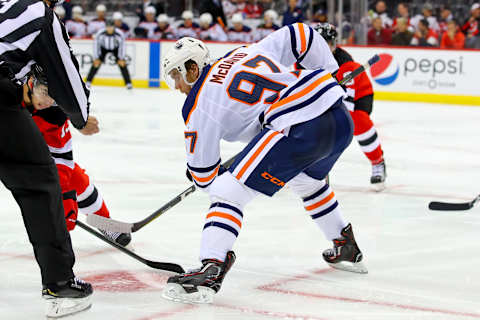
pixel 203 177
pixel 224 216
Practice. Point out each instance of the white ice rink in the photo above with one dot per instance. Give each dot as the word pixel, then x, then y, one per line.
pixel 422 264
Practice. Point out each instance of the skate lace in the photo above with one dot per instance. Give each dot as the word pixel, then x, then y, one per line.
pixel 378 169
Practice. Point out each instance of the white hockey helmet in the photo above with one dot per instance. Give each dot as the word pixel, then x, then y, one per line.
pixel 77 10
pixel 272 14
pixel 162 18
pixel 101 8
pixel 117 15
pixel 184 50
pixel 206 19
pixel 151 9
pixel 187 15
pixel 237 18
pixel 60 11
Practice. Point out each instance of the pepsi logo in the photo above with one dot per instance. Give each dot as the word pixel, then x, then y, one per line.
pixel 385 71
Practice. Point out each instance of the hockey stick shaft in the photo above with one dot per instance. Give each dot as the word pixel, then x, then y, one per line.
pixel 359 70
pixel 125 227
pixel 448 206
pixel 167 266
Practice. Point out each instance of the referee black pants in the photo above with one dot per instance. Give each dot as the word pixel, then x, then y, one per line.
pixel 28 171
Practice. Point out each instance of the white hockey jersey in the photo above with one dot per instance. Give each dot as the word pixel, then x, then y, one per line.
pixel 213 33
pixel 76 29
pixel 257 82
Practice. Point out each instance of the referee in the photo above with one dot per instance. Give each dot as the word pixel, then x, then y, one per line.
pixel 109 40
pixel 31 33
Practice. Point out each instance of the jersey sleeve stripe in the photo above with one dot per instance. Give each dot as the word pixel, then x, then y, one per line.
pixel 204 170
pixel 299 94
pixel 303 104
pixel 293 41
pixel 207 178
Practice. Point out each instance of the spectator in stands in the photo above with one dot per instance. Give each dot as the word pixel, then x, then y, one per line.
pixel 378 35
pixel 239 32
pixel 471 27
pixel 99 22
pixel 319 17
pixel 163 30
pixel 381 11
pixel 402 36
pixel 209 30
pixel 146 28
pixel 445 17
pixel 424 36
pixel 60 11
pixel 453 38
pixel 215 8
pixel 268 26
pixel 148 3
pixel 427 14
pixel 76 28
pixel 293 14
pixel 120 25
pixel 188 28
pixel 403 12
pixel 229 8
pixel 252 10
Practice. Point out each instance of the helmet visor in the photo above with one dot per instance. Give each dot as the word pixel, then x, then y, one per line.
pixel 41 98
pixel 173 77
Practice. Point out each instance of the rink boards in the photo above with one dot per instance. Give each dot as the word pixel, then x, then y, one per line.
pixel 402 74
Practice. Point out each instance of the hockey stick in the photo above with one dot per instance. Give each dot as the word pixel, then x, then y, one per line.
pixel 167 266
pixel 125 227
pixel 448 206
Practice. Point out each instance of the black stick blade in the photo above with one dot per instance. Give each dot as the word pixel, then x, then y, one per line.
pixel 165 266
pixel 445 206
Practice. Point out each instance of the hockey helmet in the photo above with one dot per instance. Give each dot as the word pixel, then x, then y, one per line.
pixel 54 3
pixel 39 76
pixel 60 11
pixel 117 15
pixel 327 31
pixel 205 19
pixel 271 14
pixel 184 50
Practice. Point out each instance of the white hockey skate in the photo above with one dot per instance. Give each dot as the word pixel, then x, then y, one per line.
pixel 379 173
pixel 67 298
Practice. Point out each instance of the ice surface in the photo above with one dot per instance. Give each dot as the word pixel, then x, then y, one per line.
pixel 422 264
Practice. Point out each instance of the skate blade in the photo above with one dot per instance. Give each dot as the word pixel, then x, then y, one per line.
pixel 177 293
pixel 358 267
pixel 62 307
pixel 378 187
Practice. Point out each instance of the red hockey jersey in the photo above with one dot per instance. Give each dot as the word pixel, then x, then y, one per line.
pixel 359 90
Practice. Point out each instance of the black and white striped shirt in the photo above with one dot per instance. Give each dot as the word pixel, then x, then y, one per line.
pixel 31 33
pixel 109 42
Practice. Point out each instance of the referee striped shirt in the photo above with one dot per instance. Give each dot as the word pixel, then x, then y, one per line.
pixel 109 42
pixel 31 33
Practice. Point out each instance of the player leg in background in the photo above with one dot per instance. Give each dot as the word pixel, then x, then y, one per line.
pixel 28 171
pixel 367 137
pixel 122 64
pixel 269 161
pixel 97 62
pixel 90 201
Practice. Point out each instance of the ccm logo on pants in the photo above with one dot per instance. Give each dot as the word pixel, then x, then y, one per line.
pixel 272 179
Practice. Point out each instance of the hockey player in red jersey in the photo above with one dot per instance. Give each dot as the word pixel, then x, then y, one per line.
pixel 78 192
pixel 359 101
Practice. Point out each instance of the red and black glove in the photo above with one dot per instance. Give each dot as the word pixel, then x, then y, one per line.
pixel 70 208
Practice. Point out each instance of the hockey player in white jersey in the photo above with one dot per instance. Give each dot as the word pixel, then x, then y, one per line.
pixel 296 127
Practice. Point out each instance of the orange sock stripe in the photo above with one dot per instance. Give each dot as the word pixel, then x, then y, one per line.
pixel 299 94
pixel 321 202
pixel 255 155
pixel 225 216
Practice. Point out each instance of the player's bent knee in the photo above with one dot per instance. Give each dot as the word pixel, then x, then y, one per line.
pixel 361 121
pixel 226 188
